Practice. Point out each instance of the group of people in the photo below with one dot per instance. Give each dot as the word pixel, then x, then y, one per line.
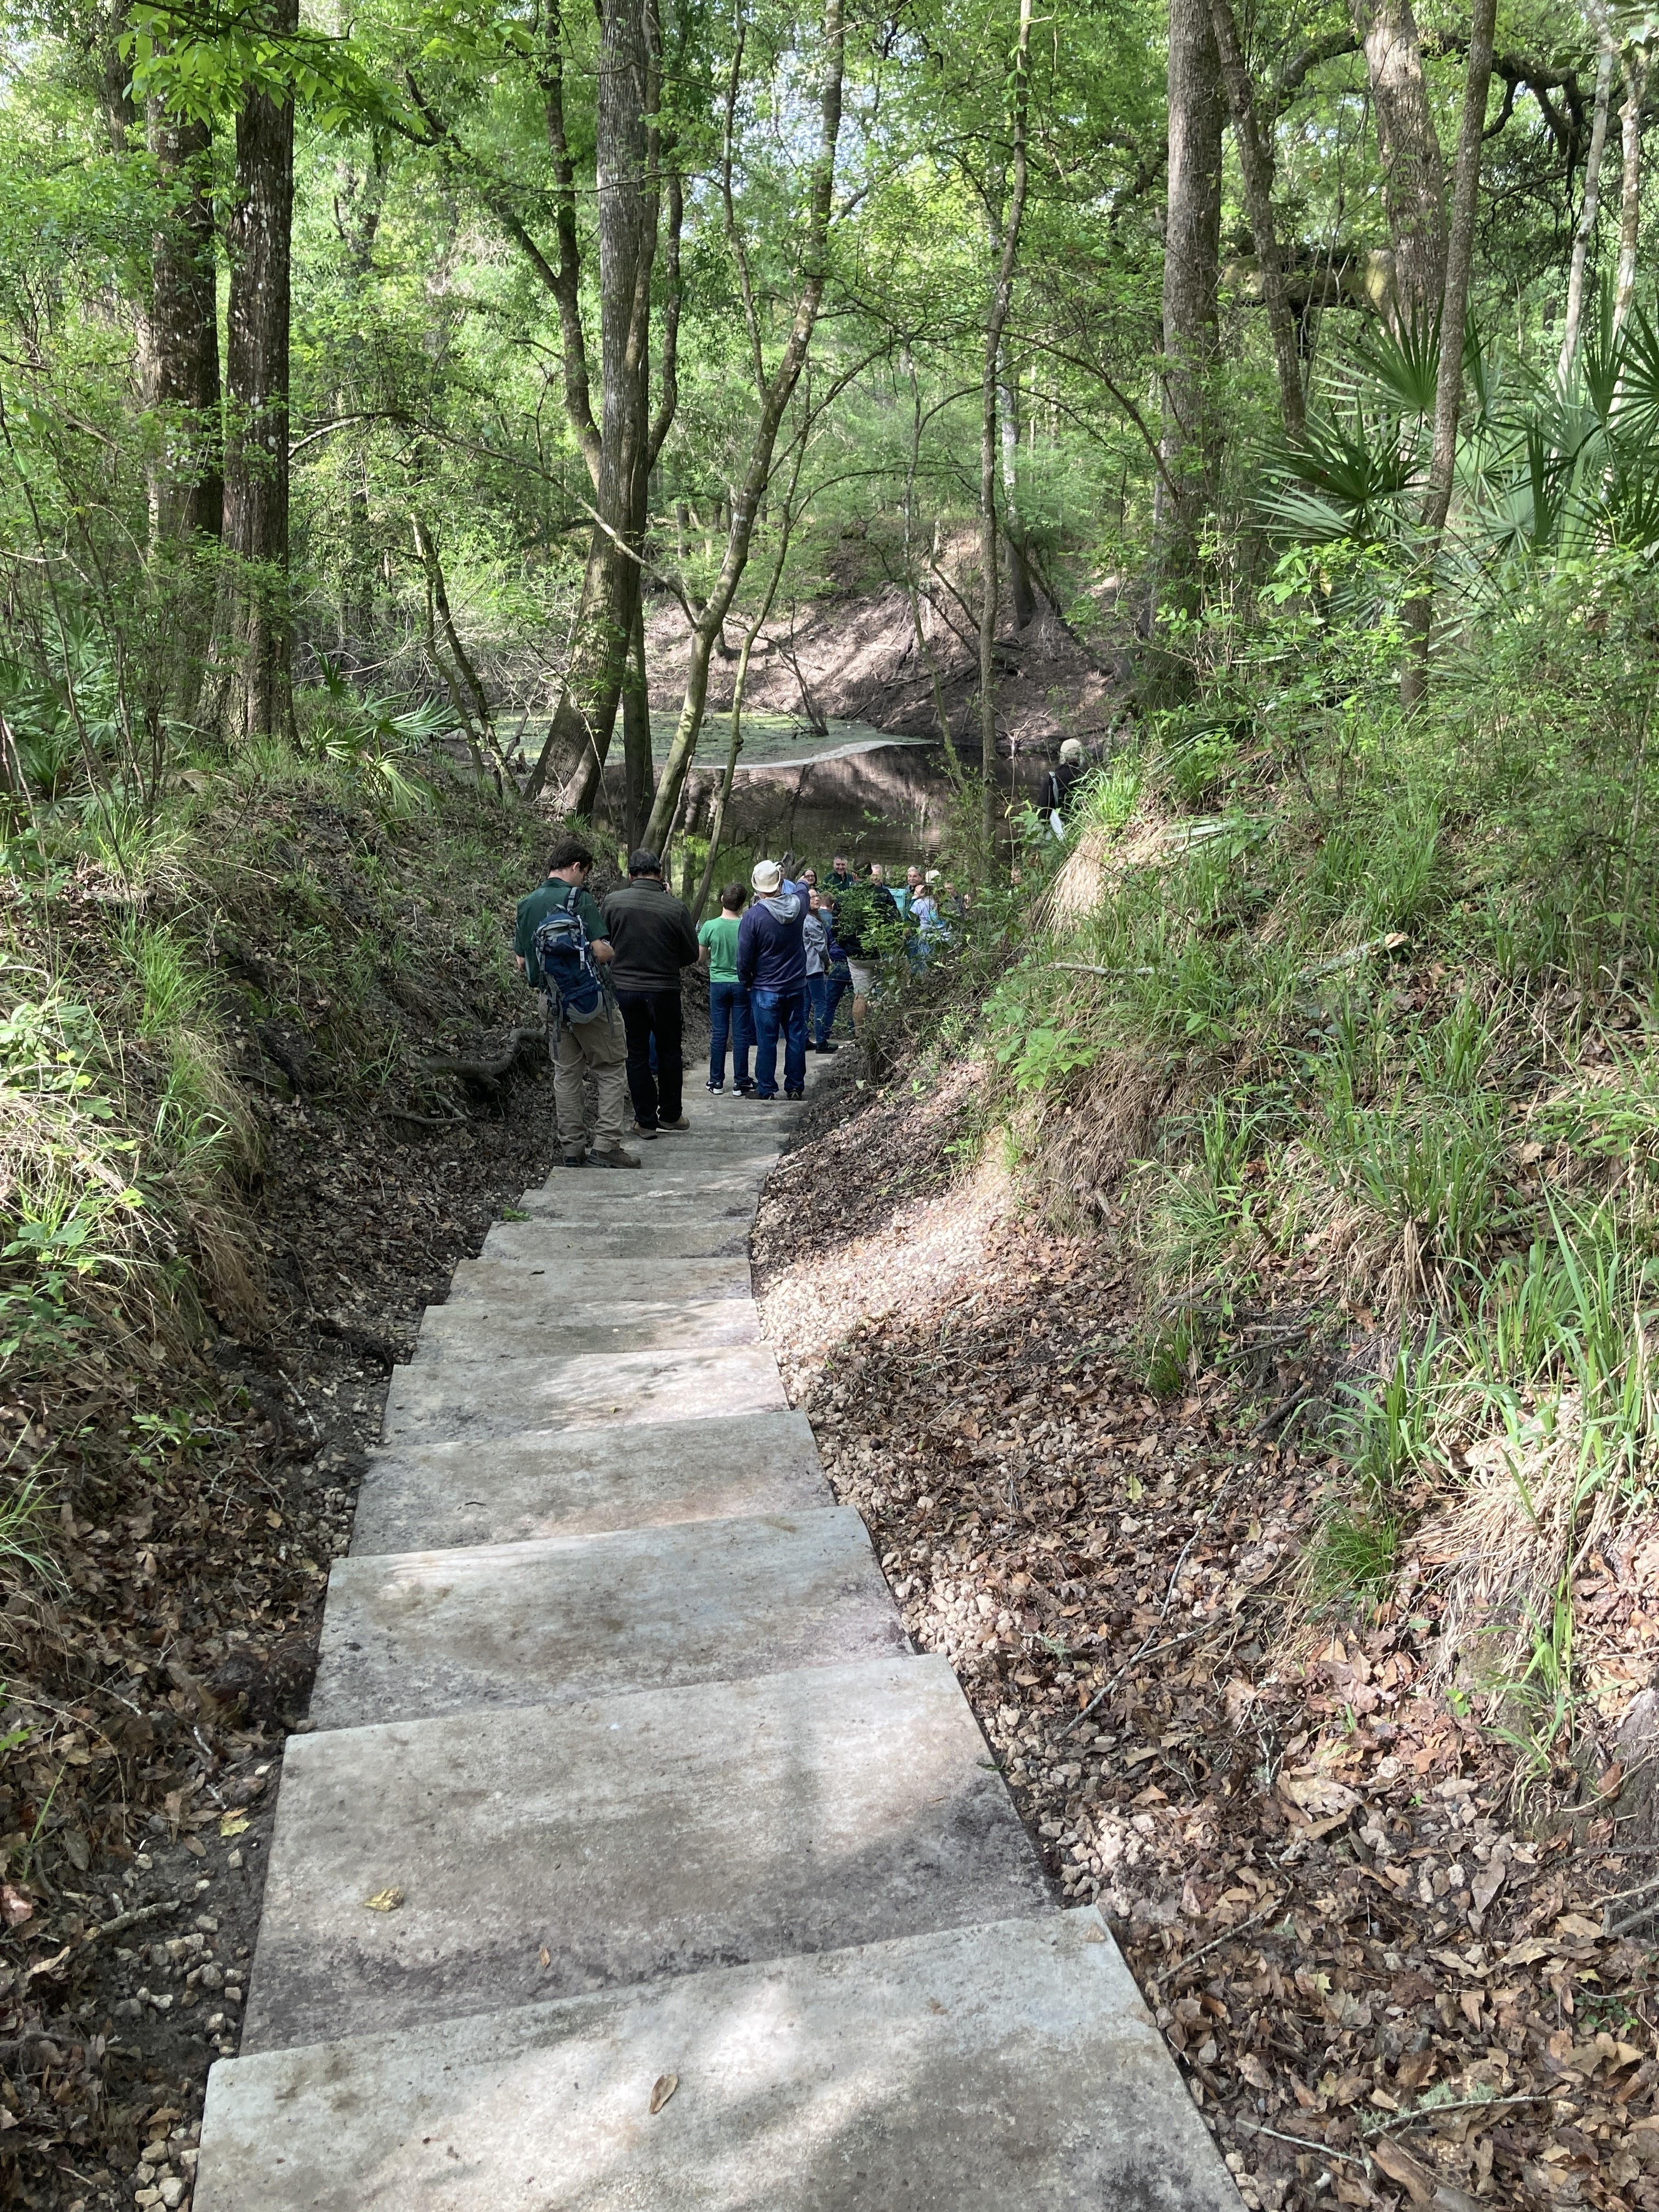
pixel 781 957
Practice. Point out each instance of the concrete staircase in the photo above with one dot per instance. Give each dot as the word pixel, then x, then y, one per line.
pixel 708 1891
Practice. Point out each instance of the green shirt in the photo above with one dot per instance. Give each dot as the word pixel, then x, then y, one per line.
pixel 547 898
pixel 720 936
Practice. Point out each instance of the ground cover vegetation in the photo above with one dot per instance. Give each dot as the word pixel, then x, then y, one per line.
pixel 387 404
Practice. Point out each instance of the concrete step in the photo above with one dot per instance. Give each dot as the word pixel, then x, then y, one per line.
pixel 625 1838
pixel 1011 2065
pixel 602 1282
pixel 730 1212
pixel 431 1404
pixel 415 1634
pixel 526 1328
pixel 754 1145
pixel 592 1198
pixel 645 1243
pixel 582 1481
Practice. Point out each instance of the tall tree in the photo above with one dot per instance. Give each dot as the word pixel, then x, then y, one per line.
pixel 1584 236
pixel 179 333
pixel 1414 173
pixel 1636 64
pixel 573 759
pixel 996 321
pixel 774 393
pixel 1448 380
pixel 1019 566
pixel 257 640
pixel 1256 169
pixel 1192 252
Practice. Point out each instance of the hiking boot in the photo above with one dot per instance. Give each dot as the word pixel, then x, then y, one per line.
pixel 797 1094
pixel 576 1159
pixel 616 1157
pixel 828 1048
pixel 640 1130
pixel 682 1123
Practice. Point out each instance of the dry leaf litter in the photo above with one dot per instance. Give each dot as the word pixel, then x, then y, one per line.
pixel 1382 1990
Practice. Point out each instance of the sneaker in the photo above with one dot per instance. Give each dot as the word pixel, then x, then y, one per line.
pixel 616 1157
pixel 794 1094
pixel 576 1159
pixel 681 1123
pixel 715 1086
pixel 640 1130
pixel 745 1090
pixel 828 1048
pixel 764 1097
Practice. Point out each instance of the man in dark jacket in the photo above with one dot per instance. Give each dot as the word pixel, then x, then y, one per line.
pixel 652 938
pixel 772 968
pixel 868 930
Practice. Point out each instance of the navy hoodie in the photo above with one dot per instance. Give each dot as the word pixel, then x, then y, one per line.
pixel 771 945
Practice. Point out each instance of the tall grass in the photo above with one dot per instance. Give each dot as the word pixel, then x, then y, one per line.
pixel 1383 975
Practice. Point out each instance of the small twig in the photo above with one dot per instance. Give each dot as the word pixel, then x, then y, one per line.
pixel 1163 1613
pixel 1277 1416
pixel 1457 2104
pixel 1631 1919
pixel 135 1919
pixel 1227 1934
pixel 1310 2143
pixel 1133 1659
pixel 1620 1896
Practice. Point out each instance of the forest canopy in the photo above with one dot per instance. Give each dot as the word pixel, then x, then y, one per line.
pixel 441 348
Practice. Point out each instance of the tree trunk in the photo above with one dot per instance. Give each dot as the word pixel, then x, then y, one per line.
pixel 259 644
pixel 1192 272
pixel 573 756
pixel 1630 198
pixel 638 764
pixel 1448 380
pixel 1414 173
pixel 774 397
pixel 638 773
pixel 1002 293
pixel 1256 169
pixel 179 337
pixel 1584 236
pixel 1020 568
pixel 717 825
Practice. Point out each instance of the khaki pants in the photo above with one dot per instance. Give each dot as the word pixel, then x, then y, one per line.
pixel 579 1049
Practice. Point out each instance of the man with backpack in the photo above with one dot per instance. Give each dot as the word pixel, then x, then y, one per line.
pixel 563 952
pixel 868 930
pixel 654 939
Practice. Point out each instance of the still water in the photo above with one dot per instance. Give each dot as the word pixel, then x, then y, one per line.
pixel 773 740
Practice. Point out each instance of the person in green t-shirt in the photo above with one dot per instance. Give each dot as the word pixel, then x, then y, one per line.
pixel 577 1049
pixel 728 1002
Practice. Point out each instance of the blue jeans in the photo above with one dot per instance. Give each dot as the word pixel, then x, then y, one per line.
pixel 729 1014
pixel 776 1010
pixel 826 992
